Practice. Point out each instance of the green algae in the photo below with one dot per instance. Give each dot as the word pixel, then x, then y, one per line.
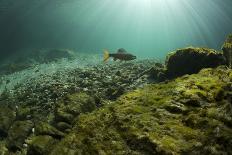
pixel 40 145
pixel 227 43
pixel 188 115
pixel 18 133
pixel 191 60
pixel 227 50
pixel 7 116
pixel 73 105
pixel 3 148
pixel 141 123
pixel 43 128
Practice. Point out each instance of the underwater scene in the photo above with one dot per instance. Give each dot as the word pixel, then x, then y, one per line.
pixel 115 77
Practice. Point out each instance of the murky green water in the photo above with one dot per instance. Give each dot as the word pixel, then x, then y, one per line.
pixel 147 28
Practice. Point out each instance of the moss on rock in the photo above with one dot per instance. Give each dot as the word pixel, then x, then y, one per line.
pixel 72 106
pixel 227 50
pixel 23 113
pixel 40 145
pixel 3 148
pixel 182 116
pixel 18 133
pixel 7 116
pixel 43 128
pixel 191 60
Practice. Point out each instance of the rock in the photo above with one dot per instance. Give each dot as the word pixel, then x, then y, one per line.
pixel 114 92
pixel 227 50
pixel 176 109
pixel 17 134
pixel 63 116
pixel 23 113
pixel 118 73
pixel 157 73
pixel 63 126
pixel 40 145
pixel 192 60
pixel 162 118
pixel 7 116
pixel 191 102
pixel 3 149
pixel 43 128
pixel 72 106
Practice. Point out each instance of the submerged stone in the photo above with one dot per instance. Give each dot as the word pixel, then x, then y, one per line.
pixel 7 116
pixel 72 106
pixel 187 115
pixel 43 128
pixel 17 134
pixel 40 145
pixel 23 113
pixel 172 108
pixel 182 116
pixel 227 50
pixel 63 126
pixel 192 60
pixel 3 148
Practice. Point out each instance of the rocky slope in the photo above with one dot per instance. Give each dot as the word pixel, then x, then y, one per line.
pixel 121 108
pixel 189 115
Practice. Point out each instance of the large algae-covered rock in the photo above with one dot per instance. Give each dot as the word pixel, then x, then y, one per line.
pixel 227 50
pixel 3 149
pixel 192 60
pixel 72 106
pixel 18 133
pixel 189 115
pixel 7 117
pixel 43 128
pixel 40 145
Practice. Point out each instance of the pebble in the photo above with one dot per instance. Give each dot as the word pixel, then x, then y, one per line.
pixel 94 80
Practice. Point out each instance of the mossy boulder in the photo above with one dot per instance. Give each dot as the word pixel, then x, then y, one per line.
pixel 23 113
pixel 156 73
pixel 3 148
pixel 183 116
pixel 72 106
pixel 114 92
pixel 7 116
pixel 18 133
pixel 227 50
pixel 40 145
pixel 192 60
pixel 42 128
pixel 63 126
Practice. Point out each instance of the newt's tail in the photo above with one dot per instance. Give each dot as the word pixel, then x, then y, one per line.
pixel 106 55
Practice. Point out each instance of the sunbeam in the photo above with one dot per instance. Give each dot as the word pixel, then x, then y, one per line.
pixel 153 27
